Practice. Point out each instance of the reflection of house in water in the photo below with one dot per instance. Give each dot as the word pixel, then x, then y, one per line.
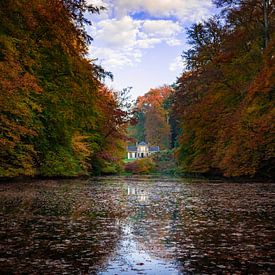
pixel 153 226
pixel 140 193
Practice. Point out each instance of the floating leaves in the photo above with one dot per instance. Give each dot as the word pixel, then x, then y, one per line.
pixel 143 224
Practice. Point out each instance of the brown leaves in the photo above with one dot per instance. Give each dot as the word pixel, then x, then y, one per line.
pixel 156 127
pixel 138 224
pixel 225 105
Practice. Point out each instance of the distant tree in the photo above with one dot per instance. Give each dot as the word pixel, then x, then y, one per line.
pixel 173 119
pixel 150 109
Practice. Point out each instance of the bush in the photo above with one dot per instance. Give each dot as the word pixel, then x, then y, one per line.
pixel 140 166
pixel 165 162
pixel 61 163
pixel 164 155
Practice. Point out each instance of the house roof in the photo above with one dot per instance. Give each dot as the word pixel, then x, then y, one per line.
pixel 132 148
pixel 153 148
pixel 142 143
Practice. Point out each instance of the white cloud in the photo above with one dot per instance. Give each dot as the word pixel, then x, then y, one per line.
pixel 177 64
pixel 147 43
pixel 125 31
pixel 97 2
pixel 161 28
pixel 103 14
pixel 118 33
pixel 111 58
pixel 120 41
pixel 173 42
pixel 107 4
pixel 184 10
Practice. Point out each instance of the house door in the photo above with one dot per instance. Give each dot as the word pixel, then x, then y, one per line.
pixel 142 155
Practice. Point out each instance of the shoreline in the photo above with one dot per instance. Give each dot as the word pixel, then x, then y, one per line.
pixel 198 176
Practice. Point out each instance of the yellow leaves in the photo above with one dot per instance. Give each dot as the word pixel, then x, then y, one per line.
pixel 19 159
pixel 82 149
pixel 252 109
pixel 50 95
pixel 80 145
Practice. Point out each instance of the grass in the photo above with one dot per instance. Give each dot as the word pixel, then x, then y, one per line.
pixel 128 160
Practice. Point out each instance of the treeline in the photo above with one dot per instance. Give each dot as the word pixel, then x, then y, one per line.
pixel 56 117
pixel 224 101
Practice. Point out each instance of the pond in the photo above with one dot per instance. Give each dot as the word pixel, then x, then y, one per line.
pixel 136 225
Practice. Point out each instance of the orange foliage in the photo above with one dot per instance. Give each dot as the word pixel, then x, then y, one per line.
pixel 225 103
pixel 156 127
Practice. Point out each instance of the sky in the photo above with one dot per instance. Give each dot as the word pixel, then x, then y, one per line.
pixel 141 41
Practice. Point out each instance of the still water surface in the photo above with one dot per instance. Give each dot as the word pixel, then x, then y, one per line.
pixel 136 225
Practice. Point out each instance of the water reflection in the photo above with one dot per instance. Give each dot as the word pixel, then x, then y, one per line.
pixel 142 225
pixel 132 258
pixel 140 193
pixel 57 227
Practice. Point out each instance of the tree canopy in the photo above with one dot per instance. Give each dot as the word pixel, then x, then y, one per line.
pixel 225 100
pixel 152 118
pixel 53 107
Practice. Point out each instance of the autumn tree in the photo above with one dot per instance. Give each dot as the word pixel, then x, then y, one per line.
pixel 154 117
pixel 226 125
pixel 53 106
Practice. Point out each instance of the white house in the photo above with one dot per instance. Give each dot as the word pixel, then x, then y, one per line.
pixel 141 150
